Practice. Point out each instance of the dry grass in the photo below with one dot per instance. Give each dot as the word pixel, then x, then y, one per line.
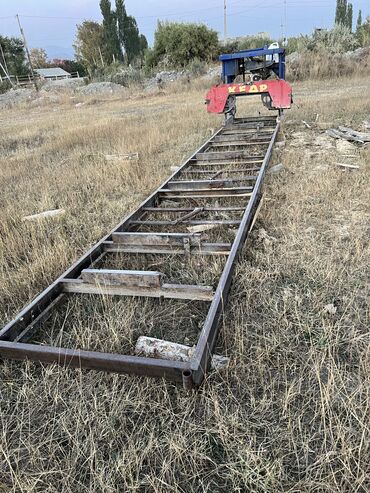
pixel 291 413
pixel 315 65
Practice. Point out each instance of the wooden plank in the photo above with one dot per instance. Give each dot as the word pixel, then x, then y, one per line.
pixel 243 137
pixel 363 136
pixel 236 143
pixel 222 171
pixel 208 192
pixel 202 227
pixel 174 291
pixel 215 195
pixel 156 239
pixel 199 184
pixel 245 161
pixel 336 134
pixel 44 215
pixel 188 216
pixel 216 156
pixel 350 166
pixel 224 222
pixel 189 209
pixel 202 249
pixel 157 348
pixel 109 277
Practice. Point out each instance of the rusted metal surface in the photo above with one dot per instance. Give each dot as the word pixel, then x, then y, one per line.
pixel 191 198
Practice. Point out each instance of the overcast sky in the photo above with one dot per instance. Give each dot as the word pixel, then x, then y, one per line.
pixel 57 32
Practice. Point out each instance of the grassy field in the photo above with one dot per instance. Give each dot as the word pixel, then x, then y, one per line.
pixel 291 414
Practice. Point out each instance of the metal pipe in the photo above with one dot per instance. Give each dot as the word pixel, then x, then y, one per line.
pixel 187 380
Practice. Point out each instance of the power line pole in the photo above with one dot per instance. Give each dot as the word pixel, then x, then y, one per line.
pixel 5 67
pixel 4 59
pixel 225 22
pixel 6 75
pixel 28 53
pixel 285 39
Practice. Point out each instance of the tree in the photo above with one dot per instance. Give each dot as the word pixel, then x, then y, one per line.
pixel 349 16
pixel 70 66
pixel 132 39
pixel 112 47
pixel 89 44
pixel 132 42
pixel 177 44
pixel 121 15
pixel 344 13
pixel 359 20
pixel 143 44
pixel 39 58
pixel 14 55
pixel 363 33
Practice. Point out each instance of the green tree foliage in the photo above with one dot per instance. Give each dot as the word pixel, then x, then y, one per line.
pixel 337 40
pixel 132 42
pixel 14 55
pixel 70 66
pixel 89 44
pixel 344 13
pixel 39 58
pixel 143 44
pixel 363 33
pixel 176 44
pixel 112 48
pixel 121 15
pixel 359 20
pixel 350 16
pixel 250 42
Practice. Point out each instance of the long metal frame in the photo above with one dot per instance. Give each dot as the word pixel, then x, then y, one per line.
pixel 14 336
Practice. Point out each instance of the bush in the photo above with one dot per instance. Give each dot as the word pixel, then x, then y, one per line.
pixel 337 40
pixel 246 43
pixel 119 74
pixel 363 33
pixel 196 67
pixel 297 43
pixel 4 86
pixel 317 66
pixel 250 42
pixel 177 44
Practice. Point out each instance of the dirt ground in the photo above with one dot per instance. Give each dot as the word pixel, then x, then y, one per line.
pixel 291 413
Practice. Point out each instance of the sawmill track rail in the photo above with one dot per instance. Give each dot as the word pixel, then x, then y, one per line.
pixel 206 208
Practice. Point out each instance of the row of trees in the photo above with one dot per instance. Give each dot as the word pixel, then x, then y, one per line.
pixel 344 14
pixel 116 39
pixel 344 17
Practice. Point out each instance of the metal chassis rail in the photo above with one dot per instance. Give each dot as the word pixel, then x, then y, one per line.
pixel 14 336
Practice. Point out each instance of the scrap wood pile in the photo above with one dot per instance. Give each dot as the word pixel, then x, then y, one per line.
pixel 350 134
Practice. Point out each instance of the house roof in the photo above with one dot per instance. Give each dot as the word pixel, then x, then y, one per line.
pixel 52 72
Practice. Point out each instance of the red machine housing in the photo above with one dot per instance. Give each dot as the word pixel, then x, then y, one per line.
pixel 280 93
